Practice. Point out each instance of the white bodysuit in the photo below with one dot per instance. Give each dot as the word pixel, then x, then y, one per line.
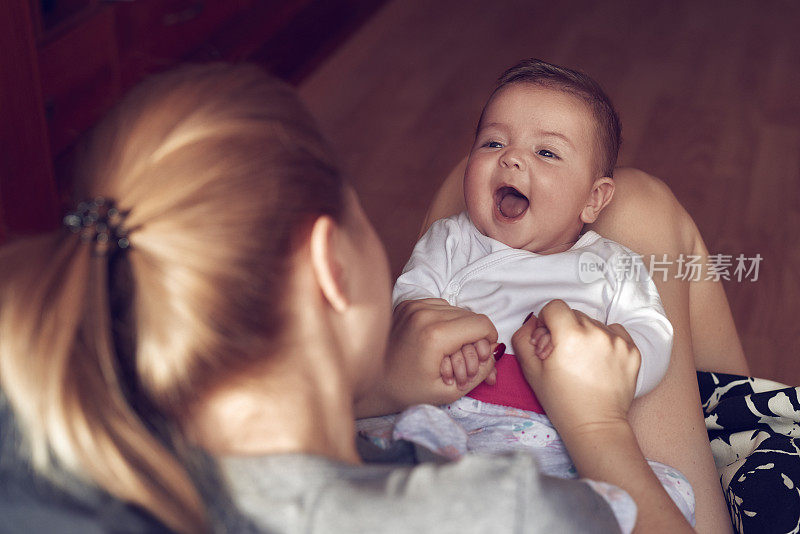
pixel 597 276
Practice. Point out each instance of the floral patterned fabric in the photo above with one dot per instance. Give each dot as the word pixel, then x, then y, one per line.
pixel 754 428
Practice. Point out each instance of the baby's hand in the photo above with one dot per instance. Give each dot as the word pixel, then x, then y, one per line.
pixel 589 376
pixel 462 365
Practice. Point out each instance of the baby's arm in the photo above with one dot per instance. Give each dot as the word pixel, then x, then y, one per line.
pixel 434 260
pixel 636 306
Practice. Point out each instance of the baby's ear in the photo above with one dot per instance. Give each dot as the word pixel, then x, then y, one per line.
pixel 600 196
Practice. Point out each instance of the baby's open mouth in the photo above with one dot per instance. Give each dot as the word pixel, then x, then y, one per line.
pixel 510 202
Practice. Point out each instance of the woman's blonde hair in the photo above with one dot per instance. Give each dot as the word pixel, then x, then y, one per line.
pixel 217 169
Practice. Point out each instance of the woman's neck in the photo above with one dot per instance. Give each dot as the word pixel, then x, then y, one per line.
pixel 297 405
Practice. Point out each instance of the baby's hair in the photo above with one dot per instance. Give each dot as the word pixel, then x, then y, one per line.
pixel 219 169
pixel 609 129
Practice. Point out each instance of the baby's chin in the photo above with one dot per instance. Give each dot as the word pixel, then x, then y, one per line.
pixel 514 236
pixel 520 237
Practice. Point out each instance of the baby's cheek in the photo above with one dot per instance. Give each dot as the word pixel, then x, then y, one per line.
pixel 480 215
pixel 472 198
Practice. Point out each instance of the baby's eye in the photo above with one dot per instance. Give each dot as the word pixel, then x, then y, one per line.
pixel 493 144
pixel 547 154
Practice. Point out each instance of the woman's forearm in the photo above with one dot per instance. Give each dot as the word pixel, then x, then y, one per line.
pixel 609 452
pixel 374 404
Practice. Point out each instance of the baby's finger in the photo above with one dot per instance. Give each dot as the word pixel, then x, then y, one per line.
pixel 459 368
pixel 446 370
pixel 492 378
pixel 484 349
pixel 471 359
pixel 486 368
pixel 543 340
pixel 537 334
pixel 525 352
pixel 544 346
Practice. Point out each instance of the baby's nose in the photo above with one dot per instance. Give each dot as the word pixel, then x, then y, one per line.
pixel 511 160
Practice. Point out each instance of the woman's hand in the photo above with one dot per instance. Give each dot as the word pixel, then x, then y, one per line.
pixel 587 375
pixel 425 332
pixel 586 385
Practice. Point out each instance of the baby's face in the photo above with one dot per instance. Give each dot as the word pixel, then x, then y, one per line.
pixel 532 168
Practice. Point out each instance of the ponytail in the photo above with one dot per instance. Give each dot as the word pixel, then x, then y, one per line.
pixel 61 372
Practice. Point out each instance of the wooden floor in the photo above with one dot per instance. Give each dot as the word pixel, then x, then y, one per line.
pixel 708 93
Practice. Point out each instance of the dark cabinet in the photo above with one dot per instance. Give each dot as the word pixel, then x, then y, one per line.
pixel 64 63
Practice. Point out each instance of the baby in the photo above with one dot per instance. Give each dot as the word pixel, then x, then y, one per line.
pixel 539 170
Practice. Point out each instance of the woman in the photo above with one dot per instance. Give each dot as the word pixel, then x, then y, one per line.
pixel 223 289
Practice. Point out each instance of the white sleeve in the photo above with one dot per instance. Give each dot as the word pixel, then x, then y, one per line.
pixel 637 307
pixel 431 265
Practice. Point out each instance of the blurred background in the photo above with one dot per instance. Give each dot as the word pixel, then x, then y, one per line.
pixel 708 93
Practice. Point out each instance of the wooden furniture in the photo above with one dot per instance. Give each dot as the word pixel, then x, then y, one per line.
pixel 27 191
pixel 64 63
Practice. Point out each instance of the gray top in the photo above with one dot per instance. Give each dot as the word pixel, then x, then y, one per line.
pixel 310 494
pixel 294 493
pixel 61 503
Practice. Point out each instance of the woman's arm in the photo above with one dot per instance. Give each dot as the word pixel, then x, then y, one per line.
pixel 668 422
pixel 586 385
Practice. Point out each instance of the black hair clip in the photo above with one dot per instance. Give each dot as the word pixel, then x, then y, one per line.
pixel 98 221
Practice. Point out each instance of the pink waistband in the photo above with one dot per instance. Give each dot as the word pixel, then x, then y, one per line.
pixel 511 388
